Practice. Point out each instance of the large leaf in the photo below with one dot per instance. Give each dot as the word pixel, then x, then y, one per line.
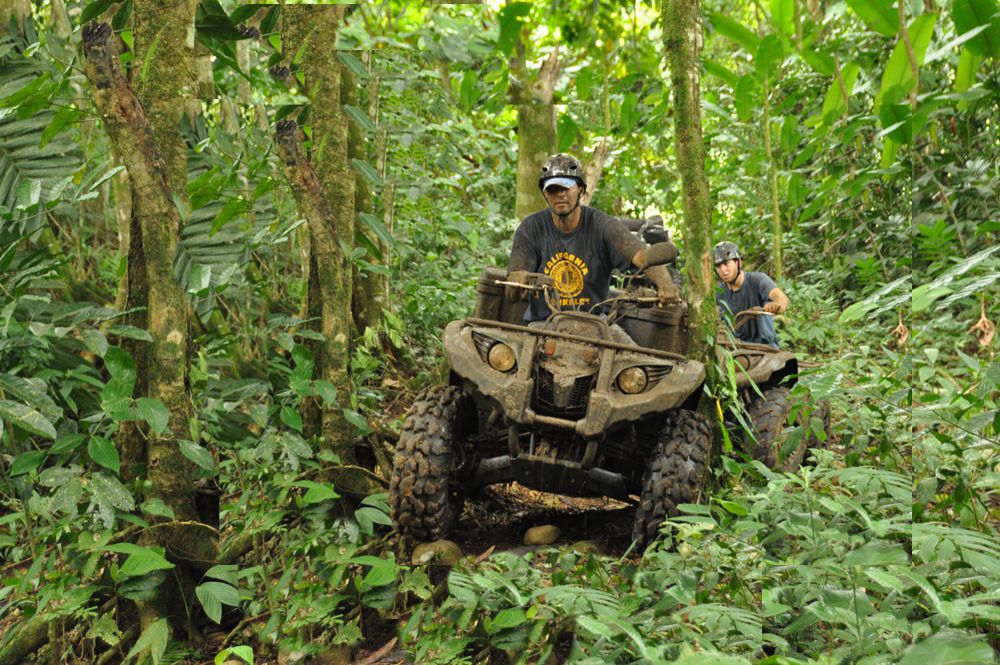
pixel 769 55
pixel 153 641
pixel 971 14
pixel 949 649
pixel 745 97
pixel 31 392
pixel 897 79
pixel 835 103
pixel 26 418
pixel 783 16
pixel 878 15
pixel 735 31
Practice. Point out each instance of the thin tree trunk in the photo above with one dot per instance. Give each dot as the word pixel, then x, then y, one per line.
pixel 773 177
pixel 324 188
pixel 536 128
pixel 156 223
pixel 16 11
pixel 683 33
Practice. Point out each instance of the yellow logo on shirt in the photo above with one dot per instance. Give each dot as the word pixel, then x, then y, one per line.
pixel 567 271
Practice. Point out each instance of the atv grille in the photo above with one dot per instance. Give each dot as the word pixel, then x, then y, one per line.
pixel 545 401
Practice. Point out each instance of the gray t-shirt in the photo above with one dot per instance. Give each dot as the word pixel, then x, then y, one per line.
pixel 753 293
pixel 580 262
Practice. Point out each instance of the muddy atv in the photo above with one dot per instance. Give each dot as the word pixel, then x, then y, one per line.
pixel 765 377
pixel 558 407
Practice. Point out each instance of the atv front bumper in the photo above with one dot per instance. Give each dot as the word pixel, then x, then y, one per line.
pixel 607 407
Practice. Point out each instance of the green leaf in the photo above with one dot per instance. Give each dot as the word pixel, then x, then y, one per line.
pixel 469 90
pixel 197 454
pixel 153 412
pixel 360 118
pixel 292 418
pixel 735 31
pixel 95 341
pixel 26 418
pixel 878 15
pixel 567 132
pixel 720 72
pixel 368 172
pixel 213 595
pixel 27 462
pixel 897 79
pixel 504 619
pixel 244 652
pixel 949 649
pixel 315 492
pixel 835 103
pixel 130 332
pixel 154 639
pixel 926 295
pixel 511 19
pixel 32 392
pixel 379 576
pixel 227 573
pixel 896 121
pixel 820 62
pixel 94 9
pixel 783 16
pixel 104 453
pixel 629 115
pixel 877 553
pixel 965 74
pixel 378 228
pixel 357 420
pixel 770 53
pixel 141 560
pixel 971 14
pixel 744 99
pixel 733 507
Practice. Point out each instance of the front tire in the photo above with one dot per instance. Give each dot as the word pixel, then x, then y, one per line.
pixel 677 473
pixel 768 415
pixel 425 504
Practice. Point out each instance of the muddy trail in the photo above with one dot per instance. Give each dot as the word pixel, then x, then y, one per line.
pixel 499 516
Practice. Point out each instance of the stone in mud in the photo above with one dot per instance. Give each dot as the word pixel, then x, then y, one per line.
pixel 589 547
pixel 541 535
pixel 439 552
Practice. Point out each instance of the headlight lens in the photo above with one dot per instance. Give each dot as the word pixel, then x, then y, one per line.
pixel 501 357
pixel 633 380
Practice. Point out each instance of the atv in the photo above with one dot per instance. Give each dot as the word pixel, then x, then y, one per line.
pixel 558 406
pixel 765 377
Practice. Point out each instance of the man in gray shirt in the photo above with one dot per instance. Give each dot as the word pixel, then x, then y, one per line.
pixel 577 246
pixel 741 291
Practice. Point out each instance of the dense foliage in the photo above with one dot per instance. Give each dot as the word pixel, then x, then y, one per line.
pixel 883 183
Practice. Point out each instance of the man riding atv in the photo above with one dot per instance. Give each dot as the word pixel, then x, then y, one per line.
pixel 743 292
pixel 593 397
pixel 577 246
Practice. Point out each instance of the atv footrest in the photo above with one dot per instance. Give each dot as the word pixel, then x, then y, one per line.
pixel 551 475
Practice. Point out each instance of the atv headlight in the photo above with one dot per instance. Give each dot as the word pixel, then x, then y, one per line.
pixel 501 357
pixel 632 380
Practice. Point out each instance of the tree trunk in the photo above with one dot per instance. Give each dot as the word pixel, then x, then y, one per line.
pixel 137 139
pixel 682 30
pixel 324 188
pixel 773 178
pixel 536 128
pixel 17 12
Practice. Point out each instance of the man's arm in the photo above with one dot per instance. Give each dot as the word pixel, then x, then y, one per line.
pixel 658 275
pixel 778 301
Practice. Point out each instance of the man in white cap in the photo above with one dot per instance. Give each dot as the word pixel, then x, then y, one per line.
pixel 577 246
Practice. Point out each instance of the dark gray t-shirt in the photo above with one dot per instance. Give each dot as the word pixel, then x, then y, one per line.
pixel 753 293
pixel 580 262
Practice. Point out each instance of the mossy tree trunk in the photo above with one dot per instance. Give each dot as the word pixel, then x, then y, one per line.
pixel 323 183
pixel 683 34
pixel 149 144
pixel 13 15
pixel 773 182
pixel 536 125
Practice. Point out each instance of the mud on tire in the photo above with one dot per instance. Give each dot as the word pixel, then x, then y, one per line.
pixel 678 473
pixel 424 503
pixel 768 415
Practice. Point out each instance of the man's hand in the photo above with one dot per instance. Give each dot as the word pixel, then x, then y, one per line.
pixel 666 291
pixel 513 293
pixel 773 308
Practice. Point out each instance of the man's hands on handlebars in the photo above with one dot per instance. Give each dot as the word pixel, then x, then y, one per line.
pixel 773 307
pixel 512 292
pixel 666 290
